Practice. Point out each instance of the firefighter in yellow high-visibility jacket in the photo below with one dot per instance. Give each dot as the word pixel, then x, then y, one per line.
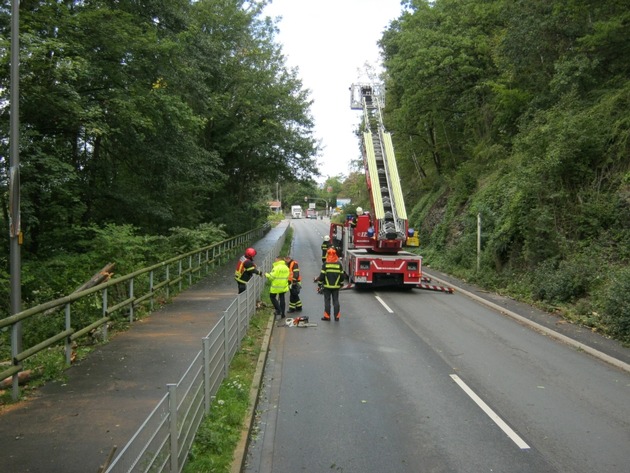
pixel 279 277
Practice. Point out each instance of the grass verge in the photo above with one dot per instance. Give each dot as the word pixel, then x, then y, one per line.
pixel 220 432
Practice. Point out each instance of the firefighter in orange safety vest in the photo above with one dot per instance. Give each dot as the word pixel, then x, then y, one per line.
pixel 295 284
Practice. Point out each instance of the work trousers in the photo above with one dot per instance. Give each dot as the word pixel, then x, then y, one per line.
pixel 294 298
pixel 279 303
pixel 331 294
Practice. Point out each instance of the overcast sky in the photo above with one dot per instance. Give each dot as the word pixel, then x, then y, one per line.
pixel 330 41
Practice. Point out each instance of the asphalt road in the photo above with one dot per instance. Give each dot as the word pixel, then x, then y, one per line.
pixel 431 382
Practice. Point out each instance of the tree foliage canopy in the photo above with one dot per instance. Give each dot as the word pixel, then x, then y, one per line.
pixel 151 114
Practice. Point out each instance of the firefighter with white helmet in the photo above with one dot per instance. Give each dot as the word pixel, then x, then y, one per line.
pixel 353 222
pixel 325 245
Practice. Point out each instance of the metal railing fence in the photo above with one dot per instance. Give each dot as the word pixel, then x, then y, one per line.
pixel 83 315
pixel 165 438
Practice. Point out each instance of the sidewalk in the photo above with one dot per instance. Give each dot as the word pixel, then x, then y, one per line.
pixel 72 426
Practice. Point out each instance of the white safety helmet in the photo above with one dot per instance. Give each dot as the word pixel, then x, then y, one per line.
pixel 359 211
pixel 326 238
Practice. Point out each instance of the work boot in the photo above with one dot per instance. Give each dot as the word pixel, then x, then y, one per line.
pixel 337 317
pixel 326 317
pixel 291 311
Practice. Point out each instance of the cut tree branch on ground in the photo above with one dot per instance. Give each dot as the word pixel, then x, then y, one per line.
pixel 102 276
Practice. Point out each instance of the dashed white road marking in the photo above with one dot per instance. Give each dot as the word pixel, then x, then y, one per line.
pixel 384 305
pixel 490 413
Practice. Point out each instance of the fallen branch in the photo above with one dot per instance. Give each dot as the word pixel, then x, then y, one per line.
pixel 23 378
pixel 102 276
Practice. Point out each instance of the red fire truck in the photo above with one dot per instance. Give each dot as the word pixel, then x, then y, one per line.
pixel 371 243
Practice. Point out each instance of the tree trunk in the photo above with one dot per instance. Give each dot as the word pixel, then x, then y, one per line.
pixel 102 276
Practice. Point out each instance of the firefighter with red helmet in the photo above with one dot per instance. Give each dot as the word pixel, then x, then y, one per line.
pixel 245 268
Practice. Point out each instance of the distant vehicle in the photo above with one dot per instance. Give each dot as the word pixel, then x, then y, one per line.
pixel 296 211
pixel 311 213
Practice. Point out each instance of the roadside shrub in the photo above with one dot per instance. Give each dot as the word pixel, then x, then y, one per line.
pixel 275 218
pixel 45 280
pixel 120 244
pixel 462 253
pixel 183 240
pixel 565 281
pixel 617 305
pixel 464 182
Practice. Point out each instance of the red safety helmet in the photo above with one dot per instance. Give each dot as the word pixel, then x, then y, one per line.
pixel 250 252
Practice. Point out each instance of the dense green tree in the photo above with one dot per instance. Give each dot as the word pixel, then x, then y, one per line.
pixel 438 58
pixel 258 119
pixel 354 187
pixel 153 114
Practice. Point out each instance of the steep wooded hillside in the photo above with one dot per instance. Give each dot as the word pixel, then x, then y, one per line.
pixel 516 112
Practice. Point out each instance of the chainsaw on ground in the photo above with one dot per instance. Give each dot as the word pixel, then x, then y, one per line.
pixel 301 321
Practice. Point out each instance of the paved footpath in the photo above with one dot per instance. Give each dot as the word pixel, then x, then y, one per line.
pixel 72 426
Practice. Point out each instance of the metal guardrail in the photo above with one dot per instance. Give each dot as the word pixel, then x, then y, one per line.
pixel 125 293
pixel 165 438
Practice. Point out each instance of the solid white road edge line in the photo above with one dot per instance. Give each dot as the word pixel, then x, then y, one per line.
pixel 541 328
pixel 490 413
pixel 384 305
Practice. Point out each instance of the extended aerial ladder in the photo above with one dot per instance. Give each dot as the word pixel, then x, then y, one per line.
pixel 388 205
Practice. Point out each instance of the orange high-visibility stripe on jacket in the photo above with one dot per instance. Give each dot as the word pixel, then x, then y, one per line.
pixel 294 272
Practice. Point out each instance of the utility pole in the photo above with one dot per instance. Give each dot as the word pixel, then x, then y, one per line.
pixel 478 242
pixel 15 232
